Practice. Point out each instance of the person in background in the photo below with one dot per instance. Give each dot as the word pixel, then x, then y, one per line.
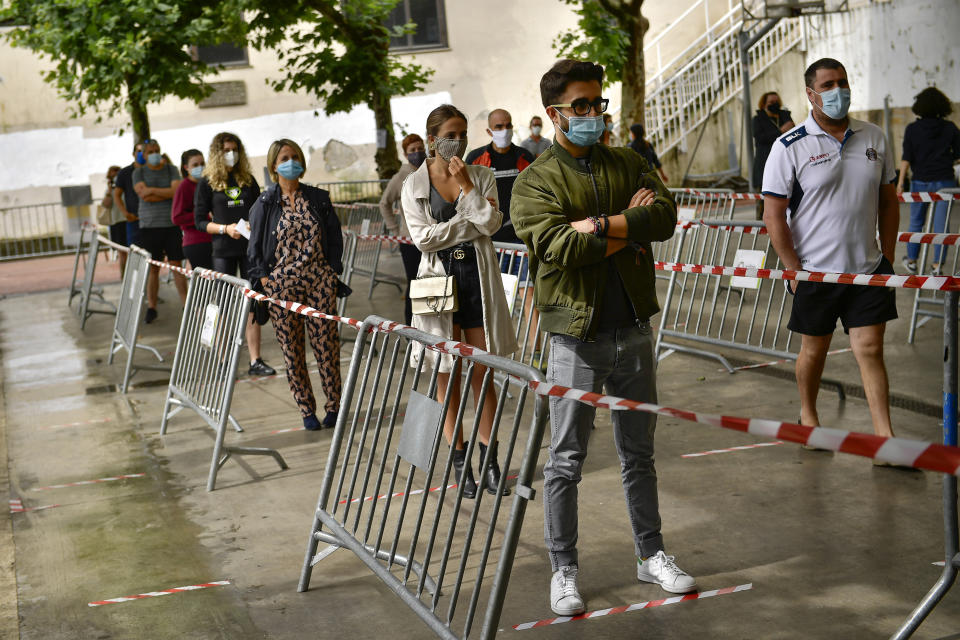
pixel 536 144
pixel 507 161
pixel 588 214
pixel 155 183
pixel 296 253
pixel 197 244
pixel 224 196
pixel 125 196
pixel 415 153
pixel 931 146
pixel 827 214
pixel 770 122
pixel 607 135
pixel 642 146
pixel 451 211
pixel 118 219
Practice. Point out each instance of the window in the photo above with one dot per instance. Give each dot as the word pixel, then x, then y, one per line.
pixel 222 55
pixel 431 24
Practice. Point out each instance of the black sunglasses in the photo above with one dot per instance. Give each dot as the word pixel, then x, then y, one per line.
pixel 582 106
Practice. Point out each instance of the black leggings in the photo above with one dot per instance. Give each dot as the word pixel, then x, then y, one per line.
pixel 230 264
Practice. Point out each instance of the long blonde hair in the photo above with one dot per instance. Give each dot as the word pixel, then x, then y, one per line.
pixel 217 173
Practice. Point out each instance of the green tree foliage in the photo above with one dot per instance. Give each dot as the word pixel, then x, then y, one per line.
pixel 122 54
pixel 339 52
pixel 610 32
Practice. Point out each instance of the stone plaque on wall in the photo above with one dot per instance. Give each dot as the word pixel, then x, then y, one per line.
pixel 225 94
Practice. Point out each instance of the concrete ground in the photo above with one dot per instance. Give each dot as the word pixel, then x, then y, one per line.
pixel 832 546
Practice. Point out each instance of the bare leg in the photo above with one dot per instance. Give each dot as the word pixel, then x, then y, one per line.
pixel 477 338
pixel 122 257
pixel 180 281
pixel 253 339
pixel 153 286
pixel 443 379
pixel 867 344
pixel 810 362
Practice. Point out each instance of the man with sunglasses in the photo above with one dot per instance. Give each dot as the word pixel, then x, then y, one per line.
pixel 588 213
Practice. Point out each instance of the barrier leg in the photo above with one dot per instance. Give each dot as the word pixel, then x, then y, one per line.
pixel 950 523
pixel 74 290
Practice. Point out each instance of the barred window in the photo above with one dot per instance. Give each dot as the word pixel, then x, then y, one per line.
pixel 222 55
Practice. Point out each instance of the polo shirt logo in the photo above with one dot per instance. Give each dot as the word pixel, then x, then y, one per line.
pixel 872 154
pixel 790 138
pixel 817 160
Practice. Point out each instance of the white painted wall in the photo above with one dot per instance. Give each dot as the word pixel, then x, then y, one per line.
pixel 894 48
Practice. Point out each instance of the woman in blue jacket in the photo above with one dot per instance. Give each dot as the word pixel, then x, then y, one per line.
pixel 295 253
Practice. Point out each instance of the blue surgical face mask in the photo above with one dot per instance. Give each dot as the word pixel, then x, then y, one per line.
pixel 609 126
pixel 584 131
pixel 140 158
pixel 836 103
pixel 197 172
pixel 154 159
pixel 291 169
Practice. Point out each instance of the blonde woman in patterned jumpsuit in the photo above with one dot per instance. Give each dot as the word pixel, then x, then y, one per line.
pixel 295 253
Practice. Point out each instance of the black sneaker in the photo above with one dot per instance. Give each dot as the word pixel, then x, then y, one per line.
pixel 151 315
pixel 260 368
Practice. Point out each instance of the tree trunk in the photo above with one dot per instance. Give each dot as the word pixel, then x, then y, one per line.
pixel 388 162
pixel 633 91
pixel 139 120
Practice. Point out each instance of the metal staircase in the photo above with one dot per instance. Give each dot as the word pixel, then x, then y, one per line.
pixel 702 79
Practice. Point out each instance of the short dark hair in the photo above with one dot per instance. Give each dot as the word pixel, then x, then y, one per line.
pixel 554 82
pixel 823 63
pixel 931 103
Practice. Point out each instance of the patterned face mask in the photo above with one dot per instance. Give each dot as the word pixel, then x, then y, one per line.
pixel 447 148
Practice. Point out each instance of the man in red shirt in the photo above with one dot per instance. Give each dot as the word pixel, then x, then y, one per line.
pixel 507 161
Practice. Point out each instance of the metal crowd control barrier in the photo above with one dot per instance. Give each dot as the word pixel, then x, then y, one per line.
pixel 86 289
pixel 748 314
pixel 388 494
pixel 32 230
pixel 365 219
pixel 713 204
pixel 205 364
pixel 951 524
pixel 930 304
pixel 518 287
pixel 130 312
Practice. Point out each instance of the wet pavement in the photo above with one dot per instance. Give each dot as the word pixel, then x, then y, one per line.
pixel 832 546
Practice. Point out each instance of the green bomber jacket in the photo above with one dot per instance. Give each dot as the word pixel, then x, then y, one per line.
pixel 569 268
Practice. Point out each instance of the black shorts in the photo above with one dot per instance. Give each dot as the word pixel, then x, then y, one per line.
pixel 199 255
pixel 163 241
pixel 118 232
pixel 466 274
pixel 817 305
pixel 231 264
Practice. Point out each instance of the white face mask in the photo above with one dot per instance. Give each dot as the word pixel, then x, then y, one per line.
pixel 536 129
pixel 502 137
pixel 230 158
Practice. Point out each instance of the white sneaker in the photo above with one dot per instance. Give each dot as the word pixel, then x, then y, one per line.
pixel 910 265
pixel 565 600
pixel 662 570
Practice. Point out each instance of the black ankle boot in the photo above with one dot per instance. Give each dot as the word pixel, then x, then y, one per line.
pixel 491 480
pixel 459 460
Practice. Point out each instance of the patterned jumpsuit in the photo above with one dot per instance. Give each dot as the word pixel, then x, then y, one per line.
pixel 302 274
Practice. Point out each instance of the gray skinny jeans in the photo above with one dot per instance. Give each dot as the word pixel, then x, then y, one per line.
pixel 623 362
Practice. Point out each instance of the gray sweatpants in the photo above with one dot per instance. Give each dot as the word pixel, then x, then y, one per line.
pixel 622 361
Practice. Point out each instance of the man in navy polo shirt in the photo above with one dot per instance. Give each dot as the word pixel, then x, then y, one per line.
pixel 828 190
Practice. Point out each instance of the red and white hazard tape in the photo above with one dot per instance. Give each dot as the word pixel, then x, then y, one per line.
pixel 155 594
pixel 927 196
pixel 590 615
pixel 397 239
pixel 936 283
pixel 930 238
pixel 915 196
pixel 107 241
pixel 731 449
pixel 898 451
pixel 16 506
pixel 302 309
pixel 81 483
pixel 73 424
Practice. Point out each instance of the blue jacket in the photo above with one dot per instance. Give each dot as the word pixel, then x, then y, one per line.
pixel 264 217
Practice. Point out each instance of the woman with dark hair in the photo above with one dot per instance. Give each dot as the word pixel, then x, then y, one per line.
pixel 639 144
pixel 451 212
pixel 224 196
pixel 196 243
pixel 607 136
pixel 770 122
pixel 296 253
pixel 931 146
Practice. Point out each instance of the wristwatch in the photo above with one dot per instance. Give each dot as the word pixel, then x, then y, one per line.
pixel 223 229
